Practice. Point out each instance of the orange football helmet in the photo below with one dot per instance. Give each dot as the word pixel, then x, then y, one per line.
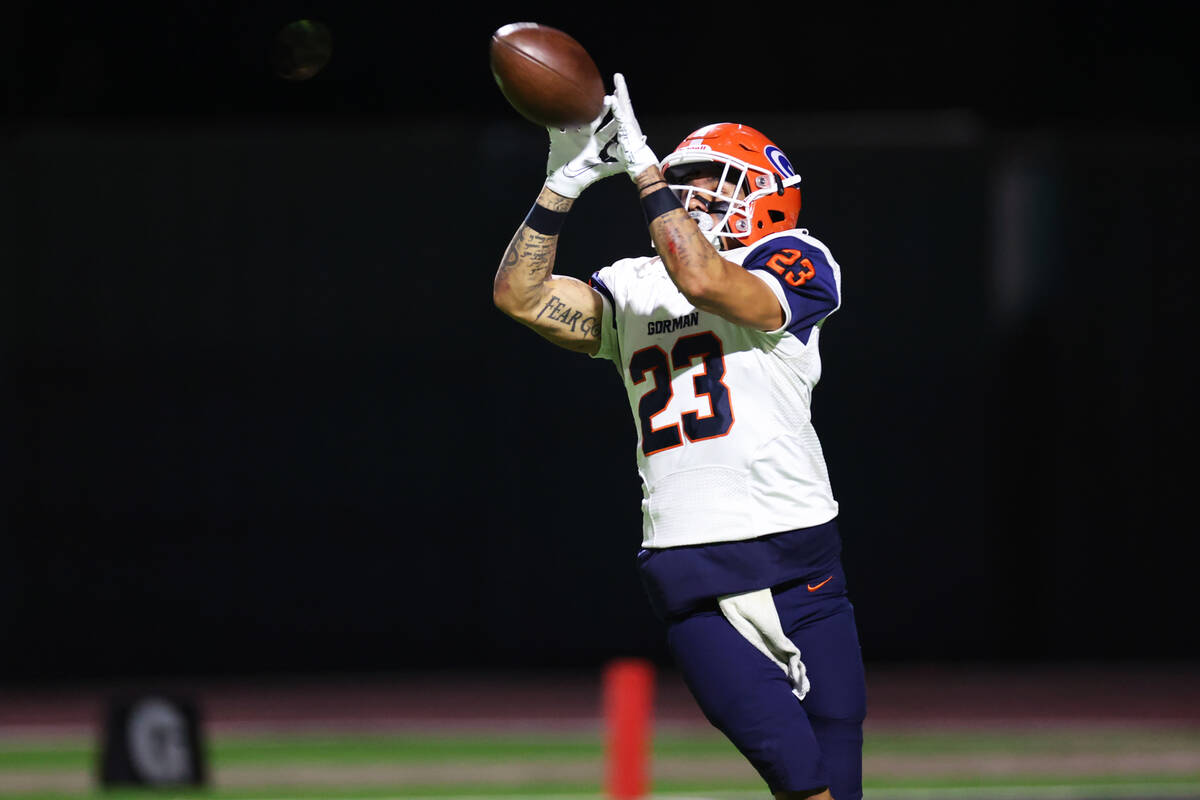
pixel 766 194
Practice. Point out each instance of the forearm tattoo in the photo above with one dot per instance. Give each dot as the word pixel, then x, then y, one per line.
pixel 526 265
pixel 532 252
pixel 683 240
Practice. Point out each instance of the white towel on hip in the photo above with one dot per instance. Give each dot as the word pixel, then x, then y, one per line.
pixel 754 616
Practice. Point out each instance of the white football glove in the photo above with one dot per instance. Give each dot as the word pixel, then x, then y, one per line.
pixel 637 154
pixel 581 156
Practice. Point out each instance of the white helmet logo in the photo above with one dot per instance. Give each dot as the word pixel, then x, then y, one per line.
pixel 779 161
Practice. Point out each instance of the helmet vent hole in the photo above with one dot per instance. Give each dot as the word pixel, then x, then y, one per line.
pixel 775 215
pixel 760 223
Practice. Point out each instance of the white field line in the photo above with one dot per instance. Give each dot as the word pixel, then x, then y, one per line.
pixel 50 732
pixel 1178 790
pixel 1147 791
pixel 53 732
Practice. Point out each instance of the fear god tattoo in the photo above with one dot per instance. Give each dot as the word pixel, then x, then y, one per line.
pixel 555 310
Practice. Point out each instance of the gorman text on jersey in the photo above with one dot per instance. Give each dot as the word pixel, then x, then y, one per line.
pixel 657 326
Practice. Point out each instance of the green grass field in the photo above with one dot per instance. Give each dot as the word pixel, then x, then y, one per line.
pixel 1073 762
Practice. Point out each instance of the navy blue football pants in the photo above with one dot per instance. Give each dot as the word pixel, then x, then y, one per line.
pixel 794 745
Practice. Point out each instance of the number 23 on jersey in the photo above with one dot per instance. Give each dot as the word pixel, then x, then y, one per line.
pixel 654 362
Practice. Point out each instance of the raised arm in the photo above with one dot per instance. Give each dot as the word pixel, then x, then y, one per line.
pixel 564 310
pixel 709 281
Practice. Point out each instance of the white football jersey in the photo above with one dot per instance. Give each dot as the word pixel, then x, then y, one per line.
pixel 726 448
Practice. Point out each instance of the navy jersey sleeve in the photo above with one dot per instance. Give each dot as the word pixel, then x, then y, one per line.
pixel 597 283
pixel 807 276
pixel 610 346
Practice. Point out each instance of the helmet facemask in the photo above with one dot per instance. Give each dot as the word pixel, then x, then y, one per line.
pixel 736 207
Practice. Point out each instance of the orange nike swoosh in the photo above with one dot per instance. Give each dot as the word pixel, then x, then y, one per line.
pixel 812 588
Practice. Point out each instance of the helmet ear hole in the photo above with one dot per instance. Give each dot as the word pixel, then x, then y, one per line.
pixel 776 216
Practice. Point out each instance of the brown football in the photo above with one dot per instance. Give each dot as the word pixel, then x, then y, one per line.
pixel 546 75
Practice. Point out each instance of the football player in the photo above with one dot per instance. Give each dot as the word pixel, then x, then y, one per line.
pixel 716 338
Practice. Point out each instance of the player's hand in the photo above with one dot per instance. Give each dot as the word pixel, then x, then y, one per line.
pixel 581 156
pixel 637 154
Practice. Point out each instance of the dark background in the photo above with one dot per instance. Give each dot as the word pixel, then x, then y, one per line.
pixel 260 416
